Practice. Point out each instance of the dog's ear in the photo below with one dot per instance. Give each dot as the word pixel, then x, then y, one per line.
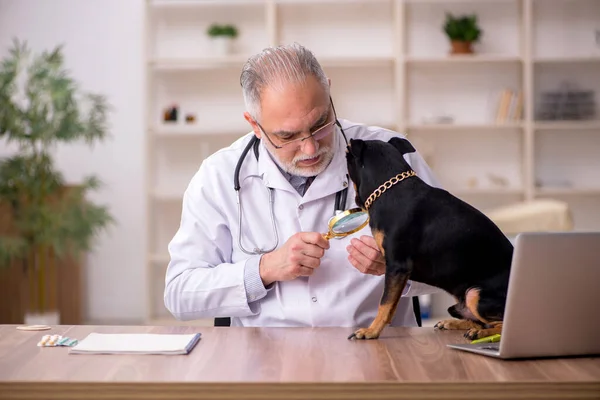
pixel 356 148
pixel 402 145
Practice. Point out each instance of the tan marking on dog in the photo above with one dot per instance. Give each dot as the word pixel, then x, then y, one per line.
pixel 379 236
pixel 477 333
pixel 385 312
pixel 472 303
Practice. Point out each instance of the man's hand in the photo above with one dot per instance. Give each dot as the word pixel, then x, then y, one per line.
pixel 299 256
pixel 364 255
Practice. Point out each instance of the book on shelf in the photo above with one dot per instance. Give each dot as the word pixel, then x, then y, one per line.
pixel 510 106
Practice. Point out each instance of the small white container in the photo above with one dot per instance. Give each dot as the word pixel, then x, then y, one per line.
pixel 222 45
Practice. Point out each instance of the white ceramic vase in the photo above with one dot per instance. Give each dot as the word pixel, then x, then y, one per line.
pixel 45 318
pixel 222 45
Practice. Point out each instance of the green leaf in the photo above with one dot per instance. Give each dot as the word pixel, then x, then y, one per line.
pixel 12 248
pixel 42 106
pixel 215 30
pixel 462 28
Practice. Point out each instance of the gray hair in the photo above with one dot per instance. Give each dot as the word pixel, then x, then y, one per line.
pixel 275 66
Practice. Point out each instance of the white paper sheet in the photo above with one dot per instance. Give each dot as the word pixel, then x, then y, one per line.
pixel 136 343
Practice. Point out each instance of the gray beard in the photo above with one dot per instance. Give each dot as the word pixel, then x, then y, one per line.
pixel 303 172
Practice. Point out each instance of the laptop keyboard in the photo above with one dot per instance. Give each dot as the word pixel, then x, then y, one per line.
pixel 491 346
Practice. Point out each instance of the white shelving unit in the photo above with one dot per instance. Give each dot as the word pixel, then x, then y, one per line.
pixel 389 65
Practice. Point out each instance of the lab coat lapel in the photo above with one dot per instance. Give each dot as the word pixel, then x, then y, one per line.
pixel 270 172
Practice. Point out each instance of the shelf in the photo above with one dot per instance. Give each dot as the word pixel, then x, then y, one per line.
pixel 567 125
pixel 341 61
pixel 568 60
pixel 237 61
pixel 468 95
pixel 464 127
pixel 192 64
pixel 334 2
pixel 329 30
pixel 168 4
pixel 487 192
pixel 567 191
pixel 565 29
pixel 463 59
pixel 426 2
pixel 389 65
pixel 194 132
pixel 425 43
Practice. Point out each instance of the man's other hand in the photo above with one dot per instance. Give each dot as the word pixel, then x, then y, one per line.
pixel 364 255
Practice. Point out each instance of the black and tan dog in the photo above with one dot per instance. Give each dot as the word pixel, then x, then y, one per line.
pixel 429 236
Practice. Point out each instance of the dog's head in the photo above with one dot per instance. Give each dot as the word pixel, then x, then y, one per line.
pixel 372 162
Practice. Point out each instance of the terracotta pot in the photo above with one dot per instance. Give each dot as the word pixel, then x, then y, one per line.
pixel 459 47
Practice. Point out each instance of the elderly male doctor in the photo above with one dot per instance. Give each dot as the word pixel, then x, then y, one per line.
pixel 284 273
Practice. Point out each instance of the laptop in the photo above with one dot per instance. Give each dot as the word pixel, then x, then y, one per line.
pixel 553 298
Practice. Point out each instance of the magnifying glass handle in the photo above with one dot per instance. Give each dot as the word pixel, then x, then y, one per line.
pixel 326 236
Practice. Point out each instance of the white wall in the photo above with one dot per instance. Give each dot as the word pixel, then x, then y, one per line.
pixel 104 50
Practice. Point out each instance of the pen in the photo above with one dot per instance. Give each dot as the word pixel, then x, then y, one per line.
pixel 488 339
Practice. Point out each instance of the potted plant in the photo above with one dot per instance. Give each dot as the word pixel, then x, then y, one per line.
pixel 45 220
pixel 462 31
pixel 222 37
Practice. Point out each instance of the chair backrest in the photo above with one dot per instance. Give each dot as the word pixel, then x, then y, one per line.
pixel 223 321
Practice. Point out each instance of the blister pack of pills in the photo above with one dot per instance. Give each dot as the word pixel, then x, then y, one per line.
pixel 56 340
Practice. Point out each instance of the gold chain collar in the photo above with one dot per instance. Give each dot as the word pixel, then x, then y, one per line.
pixel 385 186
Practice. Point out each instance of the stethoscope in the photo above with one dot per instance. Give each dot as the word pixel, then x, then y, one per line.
pixel 340 197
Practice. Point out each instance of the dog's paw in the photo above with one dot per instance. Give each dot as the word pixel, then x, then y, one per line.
pixel 475 333
pixel 446 324
pixel 455 324
pixel 365 333
pixel 484 331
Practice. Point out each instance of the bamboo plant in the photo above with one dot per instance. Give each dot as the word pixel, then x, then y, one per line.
pixel 42 106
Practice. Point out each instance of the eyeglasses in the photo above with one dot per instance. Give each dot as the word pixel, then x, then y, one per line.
pixel 318 134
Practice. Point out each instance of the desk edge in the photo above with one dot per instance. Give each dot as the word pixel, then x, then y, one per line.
pixel 25 390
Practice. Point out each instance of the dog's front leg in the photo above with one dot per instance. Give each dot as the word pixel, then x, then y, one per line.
pixel 396 277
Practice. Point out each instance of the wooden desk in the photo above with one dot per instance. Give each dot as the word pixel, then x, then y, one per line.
pixel 285 363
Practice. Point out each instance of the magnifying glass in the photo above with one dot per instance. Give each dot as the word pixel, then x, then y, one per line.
pixel 346 223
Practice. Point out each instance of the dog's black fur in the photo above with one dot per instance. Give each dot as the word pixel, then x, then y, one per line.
pixel 430 236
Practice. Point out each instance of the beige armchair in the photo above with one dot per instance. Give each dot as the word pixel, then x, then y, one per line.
pixel 540 215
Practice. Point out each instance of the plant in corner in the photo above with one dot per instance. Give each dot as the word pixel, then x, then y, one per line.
pixel 222 37
pixel 462 31
pixel 45 221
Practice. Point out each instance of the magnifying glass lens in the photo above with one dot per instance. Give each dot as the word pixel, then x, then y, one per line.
pixel 350 222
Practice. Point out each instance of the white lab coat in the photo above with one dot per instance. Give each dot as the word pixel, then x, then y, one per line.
pixel 205 275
